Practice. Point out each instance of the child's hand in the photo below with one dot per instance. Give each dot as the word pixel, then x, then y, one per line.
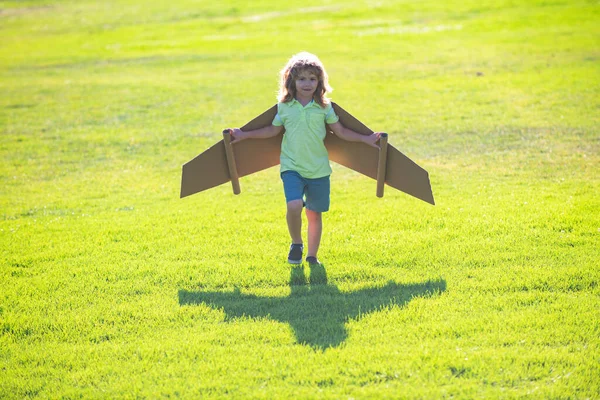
pixel 372 139
pixel 236 135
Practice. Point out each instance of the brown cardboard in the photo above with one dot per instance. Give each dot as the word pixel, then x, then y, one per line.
pixel 211 169
pixel 382 163
pixel 231 164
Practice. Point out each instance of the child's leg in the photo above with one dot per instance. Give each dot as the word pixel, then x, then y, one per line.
pixel 315 228
pixel 293 187
pixel 317 202
pixel 294 220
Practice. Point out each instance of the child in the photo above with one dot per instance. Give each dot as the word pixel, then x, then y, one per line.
pixel 303 110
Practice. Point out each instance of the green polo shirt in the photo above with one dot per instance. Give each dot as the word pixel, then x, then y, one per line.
pixel 302 148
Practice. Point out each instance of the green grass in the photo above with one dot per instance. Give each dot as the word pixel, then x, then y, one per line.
pixel 113 287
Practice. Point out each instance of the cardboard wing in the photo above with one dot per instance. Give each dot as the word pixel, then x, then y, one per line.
pixel 225 162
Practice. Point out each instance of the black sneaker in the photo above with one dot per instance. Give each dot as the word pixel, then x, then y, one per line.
pixel 295 255
pixel 312 260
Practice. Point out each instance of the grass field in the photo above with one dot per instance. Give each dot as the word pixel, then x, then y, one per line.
pixel 113 287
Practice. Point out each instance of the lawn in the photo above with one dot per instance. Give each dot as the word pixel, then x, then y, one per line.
pixel 114 287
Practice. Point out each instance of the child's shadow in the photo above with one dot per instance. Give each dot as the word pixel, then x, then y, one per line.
pixel 316 311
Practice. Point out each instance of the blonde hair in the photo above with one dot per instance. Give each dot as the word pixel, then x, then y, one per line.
pixel 303 62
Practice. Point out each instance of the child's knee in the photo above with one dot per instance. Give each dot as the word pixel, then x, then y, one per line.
pixel 295 206
pixel 313 215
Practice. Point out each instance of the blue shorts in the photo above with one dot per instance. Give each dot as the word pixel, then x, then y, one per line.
pixel 316 191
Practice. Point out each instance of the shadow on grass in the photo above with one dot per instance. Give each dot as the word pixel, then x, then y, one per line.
pixel 316 311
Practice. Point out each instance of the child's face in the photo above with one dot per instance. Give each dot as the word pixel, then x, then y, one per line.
pixel 306 84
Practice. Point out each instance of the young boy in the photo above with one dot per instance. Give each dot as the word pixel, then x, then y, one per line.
pixel 303 110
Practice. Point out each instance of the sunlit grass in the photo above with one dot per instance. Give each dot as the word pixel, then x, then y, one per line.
pixel 112 286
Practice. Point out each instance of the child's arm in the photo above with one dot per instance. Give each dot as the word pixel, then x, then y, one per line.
pixel 351 136
pixel 261 133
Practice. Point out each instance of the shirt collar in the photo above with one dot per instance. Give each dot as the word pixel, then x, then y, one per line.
pixel 311 104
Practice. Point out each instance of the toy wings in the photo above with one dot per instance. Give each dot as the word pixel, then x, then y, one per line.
pixel 225 162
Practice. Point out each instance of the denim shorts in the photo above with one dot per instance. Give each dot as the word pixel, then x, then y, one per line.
pixel 314 192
